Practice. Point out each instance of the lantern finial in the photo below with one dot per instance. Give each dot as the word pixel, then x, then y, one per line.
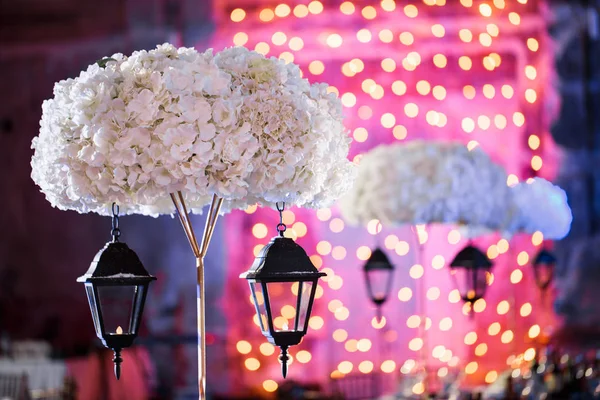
pixel 117 360
pixel 283 359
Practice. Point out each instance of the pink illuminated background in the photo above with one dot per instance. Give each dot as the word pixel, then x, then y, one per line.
pixel 473 71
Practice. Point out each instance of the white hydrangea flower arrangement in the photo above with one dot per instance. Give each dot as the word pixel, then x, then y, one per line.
pixel 423 182
pixel 541 206
pixel 133 130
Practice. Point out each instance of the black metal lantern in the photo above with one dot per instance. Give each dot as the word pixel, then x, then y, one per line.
pixel 378 277
pixel 470 270
pixel 283 266
pixel 543 268
pixel 116 285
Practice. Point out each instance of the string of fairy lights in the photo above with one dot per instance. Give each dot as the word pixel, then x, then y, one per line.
pixel 399 70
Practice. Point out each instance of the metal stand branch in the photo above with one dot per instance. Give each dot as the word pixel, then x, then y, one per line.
pixel 199 252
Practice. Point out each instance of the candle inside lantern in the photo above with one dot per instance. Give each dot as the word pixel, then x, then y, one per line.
pixel 285 326
pixel 119 330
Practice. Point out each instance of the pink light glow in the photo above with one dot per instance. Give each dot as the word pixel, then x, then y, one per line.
pixel 467 71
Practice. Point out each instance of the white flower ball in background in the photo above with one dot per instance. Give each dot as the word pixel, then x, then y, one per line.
pixel 542 207
pixel 424 182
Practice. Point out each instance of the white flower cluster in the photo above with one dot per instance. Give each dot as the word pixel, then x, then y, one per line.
pixel 298 144
pixel 428 182
pixel 541 206
pixel 136 129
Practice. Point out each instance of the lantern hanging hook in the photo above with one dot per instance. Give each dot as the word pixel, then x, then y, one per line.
pixel 281 228
pixel 115 232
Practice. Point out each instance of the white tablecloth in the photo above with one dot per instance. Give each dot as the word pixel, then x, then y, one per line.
pixel 42 374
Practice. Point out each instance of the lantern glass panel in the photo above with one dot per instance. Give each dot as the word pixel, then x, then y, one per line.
pixel 378 284
pixel 305 291
pixel 258 298
pixel 89 289
pixel 470 282
pixel 282 294
pixel 117 304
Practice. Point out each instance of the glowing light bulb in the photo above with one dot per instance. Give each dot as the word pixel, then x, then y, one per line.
pixel 514 18
pixel 316 67
pixel 240 39
pixel 388 5
pixel 423 88
pixel 530 95
pixel 400 132
pixel 315 7
pixel 518 119
pixel 525 310
pixel 533 44
pixel 388 65
pixel 465 35
pixel 516 276
pixel 536 163
pixel 411 11
pixel 445 324
pixel 494 329
pixel 347 8
pixel 405 294
pixel 266 15
pixel 282 10
pixel 438 30
pixel 252 364
pixel 238 15
pixel 439 92
pixel 471 368
pixel 363 35
pixel 399 88
pixel 411 110
pixel 485 39
pixel 334 40
pixel 369 12
pixel 440 60
pixel 485 10
pixel 468 125
pixel 296 43
pixel 465 63
pixel 386 36
pixel 491 377
pixel 300 11
pixel 406 38
pixel 500 121
pixel 481 349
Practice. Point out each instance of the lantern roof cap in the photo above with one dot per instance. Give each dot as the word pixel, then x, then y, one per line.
pixel 544 257
pixel 116 263
pixel 282 260
pixel 378 260
pixel 471 257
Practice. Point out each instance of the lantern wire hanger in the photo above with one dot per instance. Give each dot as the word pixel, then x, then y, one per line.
pixel 115 232
pixel 281 227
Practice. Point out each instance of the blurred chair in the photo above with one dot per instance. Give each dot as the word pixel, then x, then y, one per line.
pixel 31 350
pixel 357 387
pixel 14 387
